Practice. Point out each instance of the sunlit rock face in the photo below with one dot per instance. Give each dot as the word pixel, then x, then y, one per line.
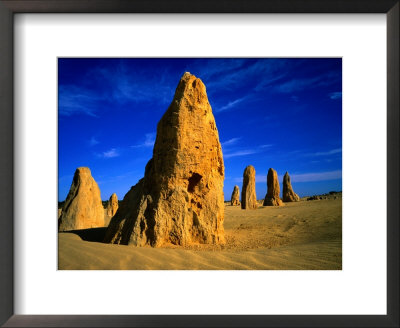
pixel 235 196
pixel 180 199
pixel 112 205
pixel 83 208
pixel 288 195
pixel 249 196
pixel 272 196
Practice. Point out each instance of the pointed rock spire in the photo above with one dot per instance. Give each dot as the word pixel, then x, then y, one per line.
pixel 288 195
pixel 180 199
pixel 112 205
pixel 83 208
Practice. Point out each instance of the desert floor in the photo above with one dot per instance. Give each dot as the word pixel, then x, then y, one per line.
pixel 298 236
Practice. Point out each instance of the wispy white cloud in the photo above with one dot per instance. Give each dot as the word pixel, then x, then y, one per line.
pixel 301 177
pixel 209 71
pixel 241 153
pixel 318 176
pixel 111 153
pixel 261 178
pixel 335 95
pixel 230 142
pixel 244 152
pixel 295 85
pixel 73 100
pixel 149 140
pixel 307 83
pixel 230 105
pixel 119 85
pixel 327 153
pixel 229 74
pixel 126 85
pixel 93 142
pixel 267 81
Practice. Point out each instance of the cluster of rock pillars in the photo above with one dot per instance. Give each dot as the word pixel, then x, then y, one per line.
pixel 180 199
pixel 249 200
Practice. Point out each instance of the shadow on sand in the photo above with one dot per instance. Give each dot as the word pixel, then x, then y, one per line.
pixel 93 234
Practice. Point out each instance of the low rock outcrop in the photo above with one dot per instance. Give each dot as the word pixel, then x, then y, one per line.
pixel 83 208
pixel 249 197
pixel 272 196
pixel 180 200
pixel 315 197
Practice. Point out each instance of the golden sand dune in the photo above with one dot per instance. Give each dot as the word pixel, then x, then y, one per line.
pixel 300 235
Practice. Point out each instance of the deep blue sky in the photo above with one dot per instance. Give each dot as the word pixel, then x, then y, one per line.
pixel 279 113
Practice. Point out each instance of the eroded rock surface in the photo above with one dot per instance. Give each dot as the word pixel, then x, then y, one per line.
pixel 180 199
pixel 235 201
pixel 112 205
pixel 272 196
pixel 83 208
pixel 249 197
pixel 288 195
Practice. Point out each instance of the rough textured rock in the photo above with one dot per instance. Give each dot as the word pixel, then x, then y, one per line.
pixel 288 195
pixel 235 196
pixel 180 199
pixel 272 196
pixel 112 205
pixel 249 197
pixel 83 208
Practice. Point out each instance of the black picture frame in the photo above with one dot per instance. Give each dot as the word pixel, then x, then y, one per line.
pixel 7 201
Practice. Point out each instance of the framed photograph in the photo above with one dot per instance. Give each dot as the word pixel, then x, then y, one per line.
pixel 205 164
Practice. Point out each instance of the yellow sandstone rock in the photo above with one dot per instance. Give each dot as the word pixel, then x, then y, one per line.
pixel 112 205
pixel 180 199
pixel 288 195
pixel 83 208
pixel 272 196
pixel 249 196
pixel 235 196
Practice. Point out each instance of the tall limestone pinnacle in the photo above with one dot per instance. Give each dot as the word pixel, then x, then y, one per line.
pixel 235 196
pixel 249 196
pixel 112 205
pixel 273 189
pixel 180 200
pixel 83 208
pixel 288 195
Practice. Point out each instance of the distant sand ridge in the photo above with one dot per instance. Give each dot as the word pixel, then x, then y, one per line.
pixel 83 208
pixel 180 200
